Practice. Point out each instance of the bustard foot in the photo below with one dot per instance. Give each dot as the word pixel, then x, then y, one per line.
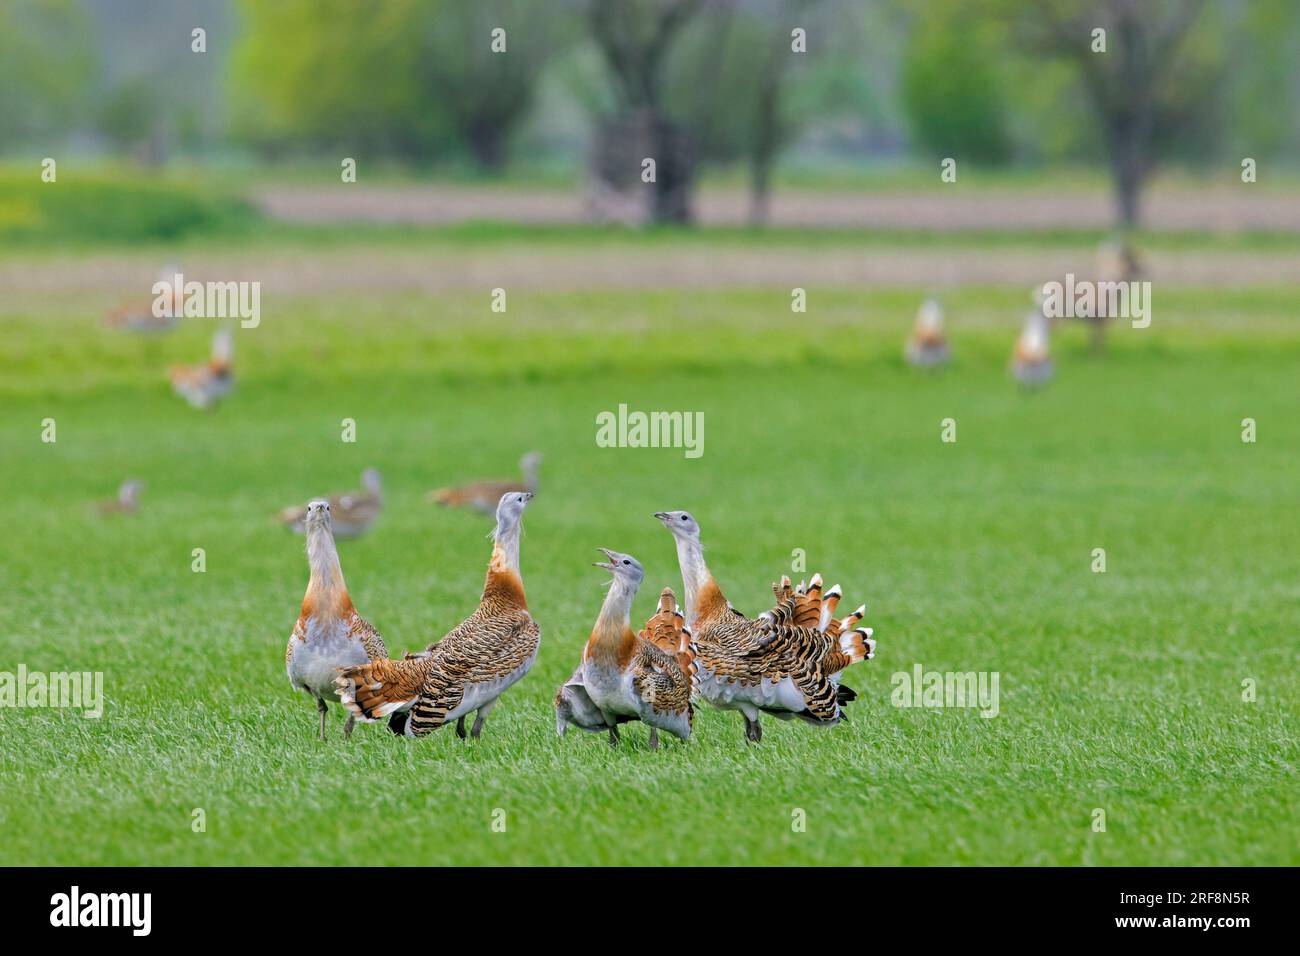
pixel 460 727
pixel 753 731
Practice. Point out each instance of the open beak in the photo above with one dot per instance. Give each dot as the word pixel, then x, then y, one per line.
pixel 607 565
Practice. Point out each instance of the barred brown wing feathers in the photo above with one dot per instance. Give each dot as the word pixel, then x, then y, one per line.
pixel 377 689
pixel 769 650
pixel 361 629
pixel 660 680
pixel 299 634
pixel 491 651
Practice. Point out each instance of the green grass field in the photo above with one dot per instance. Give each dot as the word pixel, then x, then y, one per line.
pixel 1120 691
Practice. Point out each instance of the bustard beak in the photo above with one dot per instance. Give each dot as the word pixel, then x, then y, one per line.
pixel 607 565
pixel 661 515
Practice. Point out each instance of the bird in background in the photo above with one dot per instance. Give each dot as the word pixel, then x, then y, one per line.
pixel 204 385
pixel 352 513
pixel 927 347
pixel 786 662
pixel 138 315
pixel 625 676
pixel 483 496
pixel 329 633
pixel 472 666
pixel 1117 261
pixel 127 500
pixel 1031 360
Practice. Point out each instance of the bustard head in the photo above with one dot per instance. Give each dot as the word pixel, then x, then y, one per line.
pixel 681 524
pixel 511 506
pixel 318 514
pixel 623 566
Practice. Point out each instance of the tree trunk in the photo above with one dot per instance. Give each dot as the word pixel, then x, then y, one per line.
pixel 486 141
pixel 674 171
pixel 763 152
pixel 760 194
pixel 1129 162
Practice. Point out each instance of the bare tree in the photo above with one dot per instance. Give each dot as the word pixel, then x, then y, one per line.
pixel 635 38
pixel 485 93
pixel 1137 85
pixel 771 129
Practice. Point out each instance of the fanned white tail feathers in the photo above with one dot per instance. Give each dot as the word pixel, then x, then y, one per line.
pixel 806 605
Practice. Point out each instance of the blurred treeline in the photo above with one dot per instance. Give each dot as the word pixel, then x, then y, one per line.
pixel 415 82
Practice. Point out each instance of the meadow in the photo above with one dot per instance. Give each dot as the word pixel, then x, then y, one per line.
pixel 1120 691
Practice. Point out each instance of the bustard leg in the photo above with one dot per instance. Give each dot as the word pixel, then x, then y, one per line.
pixel 480 718
pixel 654 738
pixel 460 726
pixel 347 727
pixel 613 735
pixel 753 730
pixel 320 705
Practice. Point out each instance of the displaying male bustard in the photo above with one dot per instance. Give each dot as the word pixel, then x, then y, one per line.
pixel 927 347
pixel 470 668
pixel 483 495
pixel 1031 359
pixel 138 315
pixel 786 662
pixel 352 513
pixel 330 633
pixel 625 676
pixel 204 385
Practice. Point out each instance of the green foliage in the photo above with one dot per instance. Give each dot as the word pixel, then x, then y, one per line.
pixel 407 77
pixel 332 73
pixel 106 207
pixel 45 62
pixel 127 115
pixel 1262 85
pixel 952 89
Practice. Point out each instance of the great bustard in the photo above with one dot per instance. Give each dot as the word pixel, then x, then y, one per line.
pixel 468 669
pixel 786 662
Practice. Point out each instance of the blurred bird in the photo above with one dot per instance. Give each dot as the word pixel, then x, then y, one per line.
pixel 927 347
pixel 625 676
pixel 1031 361
pixel 127 499
pixel 1117 261
pixel 483 496
pixel 351 514
pixel 330 634
pixel 468 669
pixel 204 385
pixel 138 316
pixel 786 662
